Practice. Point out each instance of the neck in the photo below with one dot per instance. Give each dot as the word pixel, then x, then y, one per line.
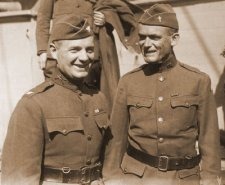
pixel 167 62
pixel 75 81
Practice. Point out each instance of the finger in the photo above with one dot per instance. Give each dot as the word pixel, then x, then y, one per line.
pixel 99 15
pixel 97 12
pixel 99 23
pixel 99 19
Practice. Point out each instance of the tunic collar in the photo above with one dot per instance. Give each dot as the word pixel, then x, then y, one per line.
pixel 167 64
pixel 60 79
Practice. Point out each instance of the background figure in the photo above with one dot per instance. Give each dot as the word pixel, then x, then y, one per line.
pixel 161 111
pixel 57 129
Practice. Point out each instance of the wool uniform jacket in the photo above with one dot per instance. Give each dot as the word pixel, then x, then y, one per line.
pixel 57 124
pixel 164 111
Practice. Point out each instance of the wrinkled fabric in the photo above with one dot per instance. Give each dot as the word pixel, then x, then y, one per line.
pixel 57 124
pixel 164 110
pixel 119 15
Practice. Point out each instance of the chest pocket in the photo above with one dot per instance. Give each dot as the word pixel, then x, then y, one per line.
pixel 63 125
pixel 139 102
pixel 185 101
pixel 101 119
pixel 185 108
pixel 139 107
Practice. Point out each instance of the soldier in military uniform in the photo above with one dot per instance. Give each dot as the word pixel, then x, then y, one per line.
pixel 162 110
pixel 56 132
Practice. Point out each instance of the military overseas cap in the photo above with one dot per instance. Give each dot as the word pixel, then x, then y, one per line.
pixel 71 27
pixel 160 15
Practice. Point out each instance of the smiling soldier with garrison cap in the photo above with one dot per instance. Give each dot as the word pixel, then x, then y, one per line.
pixel 56 132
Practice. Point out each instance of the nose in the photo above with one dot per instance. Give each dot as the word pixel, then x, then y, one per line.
pixel 83 55
pixel 147 42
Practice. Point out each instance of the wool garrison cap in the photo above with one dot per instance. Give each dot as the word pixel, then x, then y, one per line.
pixel 160 15
pixel 70 27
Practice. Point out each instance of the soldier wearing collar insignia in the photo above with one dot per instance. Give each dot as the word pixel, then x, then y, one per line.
pixel 164 119
pixel 55 134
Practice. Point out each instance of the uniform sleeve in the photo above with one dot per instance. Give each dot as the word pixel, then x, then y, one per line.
pixel 23 146
pixel 44 17
pixel 119 128
pixel 208 135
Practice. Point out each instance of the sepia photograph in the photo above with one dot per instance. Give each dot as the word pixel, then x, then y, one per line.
pixel 112 92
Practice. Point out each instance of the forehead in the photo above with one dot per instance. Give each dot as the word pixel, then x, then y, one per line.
pixel 152 30
pixel 83 42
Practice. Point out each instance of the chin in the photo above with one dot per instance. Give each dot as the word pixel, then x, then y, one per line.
pixel 81 75
pixel 147 60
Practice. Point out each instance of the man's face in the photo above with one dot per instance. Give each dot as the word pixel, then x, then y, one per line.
pixel 74 57
pixel 156 42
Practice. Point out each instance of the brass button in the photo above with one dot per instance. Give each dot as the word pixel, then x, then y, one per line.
pixel 160 119
pixel 160 98
pixel 187 104
pixel 88 162
pixel 161 139
pixel 161 78
pixel 138 105
pixel 64 131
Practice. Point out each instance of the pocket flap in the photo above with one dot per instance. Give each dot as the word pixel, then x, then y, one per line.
pixel 102 120
pixel 130 165
pixel 64 125
pixel 188 172
pixel 184 101
pixel 139 101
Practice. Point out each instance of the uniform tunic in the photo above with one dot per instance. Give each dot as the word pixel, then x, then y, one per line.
pixel 164 110
pixel 57 124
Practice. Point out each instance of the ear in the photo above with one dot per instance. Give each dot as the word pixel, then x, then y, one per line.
pixel 53 51
pixel 174 39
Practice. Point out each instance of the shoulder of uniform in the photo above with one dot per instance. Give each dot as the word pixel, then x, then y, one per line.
pixel 135 70
pixel 193 69
pixel 40 88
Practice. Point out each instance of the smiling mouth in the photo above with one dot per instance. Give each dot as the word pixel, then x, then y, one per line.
pixel 82 65
pixel 150 52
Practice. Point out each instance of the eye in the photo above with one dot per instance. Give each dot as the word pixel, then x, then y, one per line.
pixel 74 49
pixel 142 37
pixel 90 50
pixel 155 37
